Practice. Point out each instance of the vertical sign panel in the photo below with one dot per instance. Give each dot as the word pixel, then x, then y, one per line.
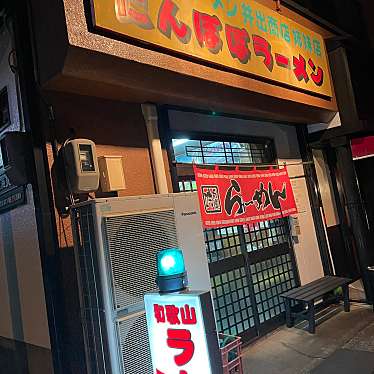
pixel 178 334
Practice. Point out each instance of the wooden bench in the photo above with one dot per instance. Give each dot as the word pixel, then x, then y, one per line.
pixel 308 294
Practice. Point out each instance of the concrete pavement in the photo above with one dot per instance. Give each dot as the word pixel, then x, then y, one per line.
pixel 295 351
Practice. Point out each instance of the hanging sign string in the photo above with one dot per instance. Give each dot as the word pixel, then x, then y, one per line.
pixel 237 167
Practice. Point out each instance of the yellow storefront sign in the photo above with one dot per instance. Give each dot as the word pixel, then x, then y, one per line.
pixel 238 35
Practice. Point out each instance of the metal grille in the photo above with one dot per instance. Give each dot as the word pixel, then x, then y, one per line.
pixel 91 300
pixel 187 186
pixel 232 303
pixel 219 152
pixel 270 279
pixel 222 243
pixel 135 351
pixel 265 234
pixel 133 242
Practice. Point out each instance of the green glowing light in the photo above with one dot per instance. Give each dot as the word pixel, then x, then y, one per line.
pixel 170 262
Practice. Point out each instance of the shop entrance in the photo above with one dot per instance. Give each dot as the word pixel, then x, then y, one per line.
pixel 250 266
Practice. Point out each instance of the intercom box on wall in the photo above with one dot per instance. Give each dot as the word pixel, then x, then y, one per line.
pixel 16 153
pixel 82 170
pixel 112 176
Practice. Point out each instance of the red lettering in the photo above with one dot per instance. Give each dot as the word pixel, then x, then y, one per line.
pixel 172 314
pixel 263 48
pixel 317 75
pixel 159 313
pixel 282 61
pixel 167 22
pixel 188 315
pixel 237 41
pixel 207 30
pixel 134 11
pixel 181 339
pixel 300 69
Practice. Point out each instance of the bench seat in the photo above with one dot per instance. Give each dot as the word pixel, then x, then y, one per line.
pixel 309 293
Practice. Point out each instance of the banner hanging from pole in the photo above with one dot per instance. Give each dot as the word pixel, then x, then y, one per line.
pixel 235 197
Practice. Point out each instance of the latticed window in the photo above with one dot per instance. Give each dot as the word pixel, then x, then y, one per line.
pixel 257 236
pixel 216 152
pixel 250 265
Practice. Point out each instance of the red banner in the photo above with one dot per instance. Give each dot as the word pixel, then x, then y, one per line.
pixel 234 197
pixel 363 147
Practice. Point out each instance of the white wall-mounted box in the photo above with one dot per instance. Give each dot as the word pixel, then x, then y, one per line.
pixel 81 165
pixel 112 175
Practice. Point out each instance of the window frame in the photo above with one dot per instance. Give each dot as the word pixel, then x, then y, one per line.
pixel 4 96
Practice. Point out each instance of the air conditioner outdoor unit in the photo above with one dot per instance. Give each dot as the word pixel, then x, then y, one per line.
pixel 116 241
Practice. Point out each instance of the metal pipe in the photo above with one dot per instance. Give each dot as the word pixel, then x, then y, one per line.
pixel 248 165
pixel 158 165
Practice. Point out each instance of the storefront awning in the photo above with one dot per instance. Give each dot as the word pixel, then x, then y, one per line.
pixel 363 147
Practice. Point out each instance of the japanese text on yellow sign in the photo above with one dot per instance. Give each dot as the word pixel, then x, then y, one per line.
pixel 237 34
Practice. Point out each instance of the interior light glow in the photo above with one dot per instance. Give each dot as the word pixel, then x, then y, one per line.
pixel 177 142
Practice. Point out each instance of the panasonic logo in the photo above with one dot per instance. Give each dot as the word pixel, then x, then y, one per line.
pixel 184 214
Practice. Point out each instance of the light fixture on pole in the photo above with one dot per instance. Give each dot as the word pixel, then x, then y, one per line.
pixel 171 271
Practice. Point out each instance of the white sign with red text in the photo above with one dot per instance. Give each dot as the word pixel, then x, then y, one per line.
pixel 177 334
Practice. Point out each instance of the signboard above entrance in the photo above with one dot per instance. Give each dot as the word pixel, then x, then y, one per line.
pixel 240 35
pixel 235 197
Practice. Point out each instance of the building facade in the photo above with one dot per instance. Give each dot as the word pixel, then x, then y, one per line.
pixel 165 85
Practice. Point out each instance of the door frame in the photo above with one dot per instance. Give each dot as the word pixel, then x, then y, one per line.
pixel 177 170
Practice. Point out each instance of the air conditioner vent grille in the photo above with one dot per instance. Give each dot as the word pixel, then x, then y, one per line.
pixel 135 351
pixel 133 241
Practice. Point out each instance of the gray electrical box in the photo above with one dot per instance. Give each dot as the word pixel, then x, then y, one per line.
pixel 82 170
pixel 16 155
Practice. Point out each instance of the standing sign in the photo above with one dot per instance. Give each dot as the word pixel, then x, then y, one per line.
pixel 234 197
pixel 240 35
pixel 182 333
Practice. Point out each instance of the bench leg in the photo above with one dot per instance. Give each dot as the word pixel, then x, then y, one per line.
pixel 289 320
pixel 347 305
pixel 312 317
